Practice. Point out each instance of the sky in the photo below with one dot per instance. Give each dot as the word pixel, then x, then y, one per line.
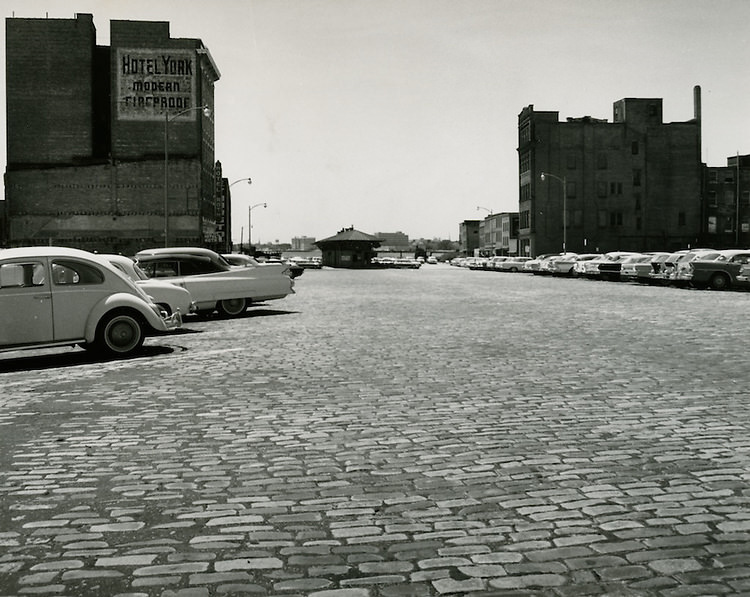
pixel 401 115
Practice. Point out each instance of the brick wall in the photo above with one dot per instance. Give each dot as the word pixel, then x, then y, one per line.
pixel 49 90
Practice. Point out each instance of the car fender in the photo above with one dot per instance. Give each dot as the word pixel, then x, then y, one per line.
pixel 122 300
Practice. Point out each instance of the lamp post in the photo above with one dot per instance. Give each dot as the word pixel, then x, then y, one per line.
pixel 231 184
pixel 488 210
pixel 249 223
pixel 565 205
pixel 167 119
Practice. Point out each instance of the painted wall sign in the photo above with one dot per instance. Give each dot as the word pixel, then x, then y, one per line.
pixel 154 81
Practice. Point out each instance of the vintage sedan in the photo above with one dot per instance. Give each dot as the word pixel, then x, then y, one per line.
pixel 559 265
pixel 635 266
pixel 169 297
pixel 513 264
pixel 214 284
pixel 725 271
pixel 240 259
pixel 611 264
pixel 682 274
pixel 58 296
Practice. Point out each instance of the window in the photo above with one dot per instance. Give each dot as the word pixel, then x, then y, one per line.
pixel 713 176
pixel 615 218
pixel 571 161
pixel 525 134
pixel 18 275
pixel 66 273
pixel 602 218
pixel 601 189
pixel 681 218
pixel 634 148
pixel 570 190
pixel 637 197
pixel 712 198
pixel 525 162
pixel 637 177
pixel 525 192
pixel 746 197
pixel 601 161
pixel 615 188
pixel 638 223
pixel 712 224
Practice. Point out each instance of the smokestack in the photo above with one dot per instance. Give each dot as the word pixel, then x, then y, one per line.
pixel 697 102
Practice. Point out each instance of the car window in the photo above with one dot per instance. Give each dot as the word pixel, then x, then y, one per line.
pixel 160 268
pixel 74 272
pixel 198 265
pixel 16 275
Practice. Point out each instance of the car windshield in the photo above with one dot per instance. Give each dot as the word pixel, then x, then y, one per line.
pixel 139 272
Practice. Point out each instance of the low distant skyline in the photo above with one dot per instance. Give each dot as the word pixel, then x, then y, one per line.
pixel 401 115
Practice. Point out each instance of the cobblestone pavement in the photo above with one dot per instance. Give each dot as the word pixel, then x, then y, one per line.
pixel 392 433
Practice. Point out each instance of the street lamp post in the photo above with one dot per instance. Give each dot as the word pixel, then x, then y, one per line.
pixel 249 223
pixel 167 120
pixel 231 184
pixel 565 205
pixel 487 209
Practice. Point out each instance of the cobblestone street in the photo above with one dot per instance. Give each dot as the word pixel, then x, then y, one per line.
pixel 392 433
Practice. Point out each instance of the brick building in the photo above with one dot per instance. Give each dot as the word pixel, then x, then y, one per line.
pixel 101 139
pixel 468 237
pixel 726 218
pixel 631 184
pixel 498 234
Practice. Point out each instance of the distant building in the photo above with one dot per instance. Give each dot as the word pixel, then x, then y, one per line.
pixel 303 243
pixel 468 237
pixel 91 129
pixel 632 184
pixel 349 248
pixel 393 241
pixel 498 234
pixel 726 218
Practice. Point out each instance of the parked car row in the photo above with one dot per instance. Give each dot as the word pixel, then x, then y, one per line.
pixel 498 263
pixel 696 268
pixel 59 296
pixel 397 262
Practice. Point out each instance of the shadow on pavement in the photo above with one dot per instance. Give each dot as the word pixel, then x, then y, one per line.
pixel 76 357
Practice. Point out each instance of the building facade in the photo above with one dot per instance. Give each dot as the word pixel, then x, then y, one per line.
pixel 631 184
pixel 349 248
pixel 726 217
pixel 394 241
pixel 468 237
pixel 303 243
pixel 110 148
pixel 498 234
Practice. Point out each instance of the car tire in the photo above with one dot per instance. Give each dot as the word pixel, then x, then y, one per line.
pixel 119 334
pixel 232 307
pixel 719 282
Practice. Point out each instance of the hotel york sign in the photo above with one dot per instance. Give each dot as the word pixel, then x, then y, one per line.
pixel 152 82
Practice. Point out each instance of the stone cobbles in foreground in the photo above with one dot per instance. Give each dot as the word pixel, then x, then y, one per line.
pixel 391 433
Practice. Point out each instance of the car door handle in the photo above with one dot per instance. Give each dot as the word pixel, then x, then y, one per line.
pixel 42 297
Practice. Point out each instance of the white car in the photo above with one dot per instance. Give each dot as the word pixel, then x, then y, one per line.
pixel 58 296
pixel 168 296
pixel 213 283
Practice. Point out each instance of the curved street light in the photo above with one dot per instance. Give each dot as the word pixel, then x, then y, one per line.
pixel 249 222
pixel 565 205
pixel 167 119
pixel 229 186
pixel 488 210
